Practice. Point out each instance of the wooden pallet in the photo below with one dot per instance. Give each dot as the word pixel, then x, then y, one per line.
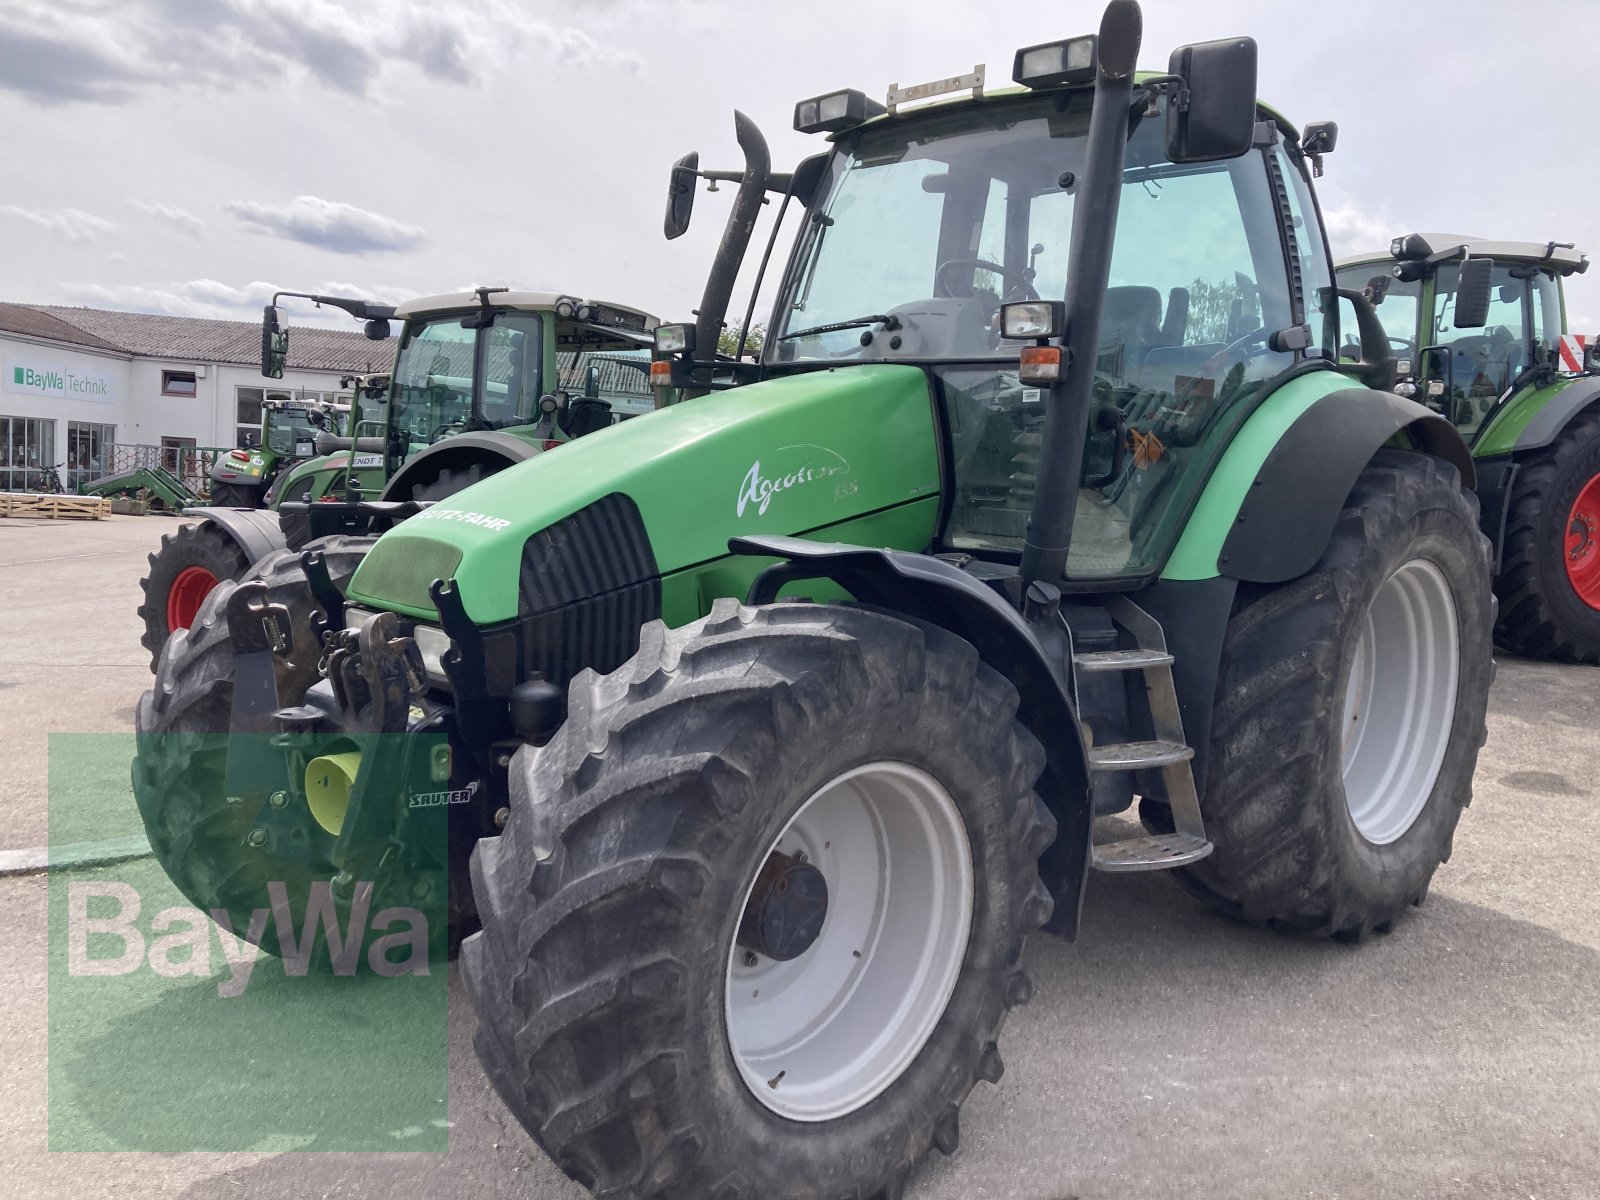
pixel 66 508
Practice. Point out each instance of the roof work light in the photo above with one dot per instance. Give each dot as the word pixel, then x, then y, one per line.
pixel 1057 64
pixel 835 111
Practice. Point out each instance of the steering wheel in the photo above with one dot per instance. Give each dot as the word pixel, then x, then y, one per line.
pixel 441 431
pixel 1237 351
pixel 1021 280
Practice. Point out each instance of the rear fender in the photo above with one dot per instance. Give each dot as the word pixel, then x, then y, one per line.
pixel 1532 420
pixel 929 589
pixel 1287 515
pixel 455 454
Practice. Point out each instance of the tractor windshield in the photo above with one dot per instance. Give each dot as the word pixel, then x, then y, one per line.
pixel 466 372
pixel 293 431
pixel 937 220
pixel 1395 301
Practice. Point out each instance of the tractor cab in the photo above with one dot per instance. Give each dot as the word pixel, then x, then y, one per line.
pixel 1464 368
pixel 497 360
pixel 290 428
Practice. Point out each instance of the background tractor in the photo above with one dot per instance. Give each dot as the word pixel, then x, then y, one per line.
pixel 781 719
pixel 1529 409
pixel 481 380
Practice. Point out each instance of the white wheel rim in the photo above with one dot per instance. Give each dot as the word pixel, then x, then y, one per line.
pixel 824 1033
pixel 1400 701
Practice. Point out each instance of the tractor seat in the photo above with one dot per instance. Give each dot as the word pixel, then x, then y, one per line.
pixel 1130 322
pixel 583 416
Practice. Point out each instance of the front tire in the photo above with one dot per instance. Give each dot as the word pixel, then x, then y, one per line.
pixel 183 572
pixel 199 836
pixel 1350 710
pixel 610 973
pixel 1549 582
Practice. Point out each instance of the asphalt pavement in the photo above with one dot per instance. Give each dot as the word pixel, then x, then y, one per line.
pixel 1168 1053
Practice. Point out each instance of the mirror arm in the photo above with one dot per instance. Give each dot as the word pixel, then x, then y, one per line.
pixel 1377 358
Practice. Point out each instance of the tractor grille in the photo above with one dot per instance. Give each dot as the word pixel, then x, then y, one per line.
pixel 588 583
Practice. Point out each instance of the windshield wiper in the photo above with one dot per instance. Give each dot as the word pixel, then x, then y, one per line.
pixel 889 322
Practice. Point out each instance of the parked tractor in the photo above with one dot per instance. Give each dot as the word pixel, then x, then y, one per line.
pixel 481 380
pixel 1528 407
pixel 244 478
pixel 780 720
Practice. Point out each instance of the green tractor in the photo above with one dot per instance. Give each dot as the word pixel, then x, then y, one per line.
pixel 775 723
pixel 481 380
pixel 1528 405
pixel 245 477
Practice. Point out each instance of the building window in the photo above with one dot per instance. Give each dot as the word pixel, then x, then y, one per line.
pixel 177 453
pixel 178 383
pixel 27 452
pixel 88 452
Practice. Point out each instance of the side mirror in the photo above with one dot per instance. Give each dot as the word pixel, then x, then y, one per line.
pixel 377 329
pixel 807 179
pixel 1473 293
pixel 680 194
pixel 274 342
pixel 1377 365
pixel 1219 119
pixel 1320 137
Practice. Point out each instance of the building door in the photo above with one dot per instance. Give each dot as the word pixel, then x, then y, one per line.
pixel 27 452
pixel 88 452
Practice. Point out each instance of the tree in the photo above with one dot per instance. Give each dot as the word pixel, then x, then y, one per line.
pixel 728 339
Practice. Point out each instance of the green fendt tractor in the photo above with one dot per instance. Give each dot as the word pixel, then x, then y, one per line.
pixel 245 477
pixel 481 380
pixel 781 719
pixel 1529 408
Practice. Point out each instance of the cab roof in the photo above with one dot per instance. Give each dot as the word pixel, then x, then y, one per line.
pixel 523 301
pixel 1558 258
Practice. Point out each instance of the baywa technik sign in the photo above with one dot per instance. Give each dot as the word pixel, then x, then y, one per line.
pixel 34 377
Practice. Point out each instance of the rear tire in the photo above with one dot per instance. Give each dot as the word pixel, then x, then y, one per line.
pixel 1323 824
pixel 449 482
pixel 1543 614
pixel 189 564
pixel 604 975
pixel 232 495
pixel 179 784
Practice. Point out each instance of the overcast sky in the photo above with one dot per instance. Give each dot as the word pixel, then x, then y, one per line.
pixel 189 156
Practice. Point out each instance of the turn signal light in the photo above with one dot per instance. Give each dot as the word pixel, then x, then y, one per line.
pixel 660 374
pixel 1040 364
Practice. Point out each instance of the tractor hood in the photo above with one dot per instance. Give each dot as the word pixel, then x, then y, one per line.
pixel 790 455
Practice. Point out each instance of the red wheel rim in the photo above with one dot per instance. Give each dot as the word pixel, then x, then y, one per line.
pixel 1583 544
pixel 188 592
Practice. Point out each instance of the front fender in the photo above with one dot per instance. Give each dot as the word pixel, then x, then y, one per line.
pixel 932 590
pixel 256 530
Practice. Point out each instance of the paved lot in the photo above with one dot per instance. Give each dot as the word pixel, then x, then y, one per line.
pixel 1167 1054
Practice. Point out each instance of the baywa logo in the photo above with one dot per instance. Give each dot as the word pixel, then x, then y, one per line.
pixel 801 465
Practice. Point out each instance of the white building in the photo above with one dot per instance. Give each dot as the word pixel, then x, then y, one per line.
pixel 76 381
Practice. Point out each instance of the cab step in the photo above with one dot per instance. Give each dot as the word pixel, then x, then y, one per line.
pixel 1154 852
pixel 1122 660
pixel 1167 752
pixel 1136 756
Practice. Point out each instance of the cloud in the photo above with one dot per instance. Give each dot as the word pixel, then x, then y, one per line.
pixel 1352 230
pixel 56 52
pixel 181 219
pixel 215 299
pixel 70 224
pixel 328 225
